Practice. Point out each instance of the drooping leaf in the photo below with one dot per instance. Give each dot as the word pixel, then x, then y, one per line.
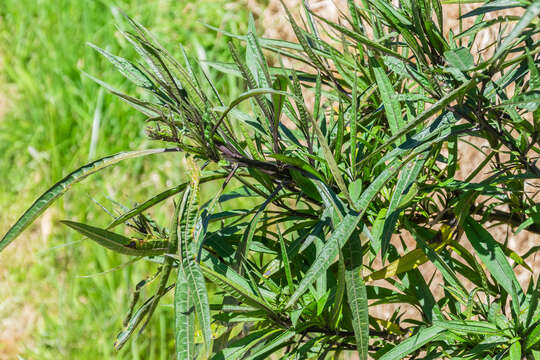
pixel 234 284
pixel 272 345
pixel 135 320
pixel 245 245
pixel 491 254
pixel 120 243
pixel 159 198
pixel 237 349
pixel 327 255
pixel 416 341
pixel 58 189
pixel 409 261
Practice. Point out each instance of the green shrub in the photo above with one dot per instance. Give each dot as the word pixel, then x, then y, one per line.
pixel 375 156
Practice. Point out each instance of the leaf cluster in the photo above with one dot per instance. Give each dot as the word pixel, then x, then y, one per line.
pixel 338 183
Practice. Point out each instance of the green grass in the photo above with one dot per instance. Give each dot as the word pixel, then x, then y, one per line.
pixel 47 132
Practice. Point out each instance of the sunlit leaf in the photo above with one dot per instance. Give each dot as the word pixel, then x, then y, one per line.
pixel 58 189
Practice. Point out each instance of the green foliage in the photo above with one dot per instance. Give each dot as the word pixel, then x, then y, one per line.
pixel 335 183
pixel 53 119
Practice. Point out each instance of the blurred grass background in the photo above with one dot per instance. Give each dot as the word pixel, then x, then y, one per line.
pixel 54 303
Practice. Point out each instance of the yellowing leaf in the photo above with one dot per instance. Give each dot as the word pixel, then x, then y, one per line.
pixel 407 262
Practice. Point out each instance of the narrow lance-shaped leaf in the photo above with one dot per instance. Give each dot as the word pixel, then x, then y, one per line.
pixel 496 5
pixel 533 303
pixel 276 343
pixel 354 118
pixel 452 156
pixel 207 214
pixel 285 261
pixel 388 95
pixel 300 105
pixel 344 230
pixel 244 96
pixel 159 198
pixel 377 184
pixel 491 254
pixel 436 132
pixel 184 316
pixel 234 284
pixel 515 351
pixel 120 243
pixel 533 71
pixel 135 320
pixel 190 267
pixel 58 189
pixel 338 143
pixel 245 245
pixel 126 68
pixel 147 108
pixel 183 298
pixel 237 349
pixel 356 293
pixel 406 178
pixel 468 326
pixel 255 58
pixel 406 262
pixel 168 262
pixel 438 106
pixel 188 225
pixel 303 42
pixel 533 337
pixel 447 272
pixel 153 55
pixel 252 84
pixel 280 83
pixel 137 293
pixel 327 255
pixel 460 58
pixel 329 157
pixel 530 14
pixel 527 100
pixel 422 337
pixel 339 293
